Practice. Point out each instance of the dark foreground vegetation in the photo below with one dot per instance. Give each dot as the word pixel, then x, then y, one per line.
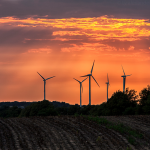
pixel 128 103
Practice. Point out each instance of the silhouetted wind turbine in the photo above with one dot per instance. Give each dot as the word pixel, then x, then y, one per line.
pixel 45 84
pixel 124 79
pixel 81 87
pixel 89 75
pixel 107 86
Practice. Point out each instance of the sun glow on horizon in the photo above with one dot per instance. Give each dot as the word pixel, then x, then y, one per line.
pixel 66 48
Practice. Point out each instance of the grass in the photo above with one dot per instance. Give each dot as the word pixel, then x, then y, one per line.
pixel 131 140
pixel 121 128
pixel 128 148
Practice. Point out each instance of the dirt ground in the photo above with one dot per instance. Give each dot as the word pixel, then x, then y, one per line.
pixel 71 133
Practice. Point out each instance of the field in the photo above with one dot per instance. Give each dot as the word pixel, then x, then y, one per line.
pixel 75 133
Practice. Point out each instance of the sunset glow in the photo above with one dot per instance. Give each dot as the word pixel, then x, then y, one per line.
pixel 66 48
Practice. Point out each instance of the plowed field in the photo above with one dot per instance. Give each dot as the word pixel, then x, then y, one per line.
pixel 71 133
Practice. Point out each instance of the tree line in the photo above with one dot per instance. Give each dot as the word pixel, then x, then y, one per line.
pixel 120 103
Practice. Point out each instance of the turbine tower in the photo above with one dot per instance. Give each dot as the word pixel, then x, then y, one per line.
pixel 45 84
pixel 90 75
pixel 107 86
pixel 81 87
pixel 124 79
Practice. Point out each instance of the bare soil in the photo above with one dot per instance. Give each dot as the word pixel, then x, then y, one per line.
pixel 70 133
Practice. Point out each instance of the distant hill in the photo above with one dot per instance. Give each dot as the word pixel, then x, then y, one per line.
pixel 15 103
pixel 25 104
pixel 60 104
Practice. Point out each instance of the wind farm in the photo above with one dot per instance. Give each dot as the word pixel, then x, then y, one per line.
pixel 81 86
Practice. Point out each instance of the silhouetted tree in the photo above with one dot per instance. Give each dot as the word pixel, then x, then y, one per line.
pixel 86 110
pixel 62 110
pixel 122 103
pixel 144 95
pixel 74 109
pixel 132 95
pixel 146 107
pixel 104 109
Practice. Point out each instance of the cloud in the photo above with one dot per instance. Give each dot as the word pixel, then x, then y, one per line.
pixel 40 50
pixel 73 34
pixel 11 0
pixel 77 9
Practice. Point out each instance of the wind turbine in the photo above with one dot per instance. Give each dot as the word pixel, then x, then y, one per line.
pixel 90 75
pixel 45 84
pixel 107 86
pixel 124 79
pixel 81 87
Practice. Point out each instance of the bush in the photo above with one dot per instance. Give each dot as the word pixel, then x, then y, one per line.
pixel 41 108
pixel 129 111
pixel 6 111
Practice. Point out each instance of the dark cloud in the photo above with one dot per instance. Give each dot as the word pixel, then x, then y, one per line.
pixel 143 43
pixel 75 8
pixel 25 38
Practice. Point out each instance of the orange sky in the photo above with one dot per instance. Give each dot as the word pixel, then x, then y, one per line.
pixel 66 48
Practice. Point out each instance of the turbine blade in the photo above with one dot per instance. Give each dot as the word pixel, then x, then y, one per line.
pixel 129 75
pixel 95 81
pixel 92 67
pixel 40 75
pixel 84 79
pixel 76 80
pixel 107 78
pixel 123 70
pixel 84 76
pixel 50 77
